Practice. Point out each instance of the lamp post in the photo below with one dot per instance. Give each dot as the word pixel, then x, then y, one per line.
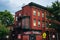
pixel 7 37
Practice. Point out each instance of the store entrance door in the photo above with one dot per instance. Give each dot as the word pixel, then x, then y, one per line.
pixel 32 37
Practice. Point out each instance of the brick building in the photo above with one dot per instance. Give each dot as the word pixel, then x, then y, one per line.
pixel 31 22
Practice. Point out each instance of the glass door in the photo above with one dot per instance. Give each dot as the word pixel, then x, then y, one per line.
pixel 32 37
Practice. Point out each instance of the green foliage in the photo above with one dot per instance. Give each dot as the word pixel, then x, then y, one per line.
pixel 6 18
pixel 55 10
pixel 3 31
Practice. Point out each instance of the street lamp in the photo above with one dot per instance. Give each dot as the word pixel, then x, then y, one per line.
pixel 7 37
pixel 49 24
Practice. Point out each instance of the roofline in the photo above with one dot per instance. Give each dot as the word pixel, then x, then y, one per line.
pixel 37 5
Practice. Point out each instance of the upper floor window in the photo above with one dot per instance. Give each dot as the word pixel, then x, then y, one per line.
pixel 16 18
pixel 27 22
pixel 34 13
pixel 42 24
pixel 34 22
pixel 42 14
pixel 19 14
pixel 23 22
pixel 47 24
pixel 38 23
pixel 38 13
pixel 19 24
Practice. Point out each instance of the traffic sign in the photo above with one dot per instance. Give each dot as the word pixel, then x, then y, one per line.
pixel 44 35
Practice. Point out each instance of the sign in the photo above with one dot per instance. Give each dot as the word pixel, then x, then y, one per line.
pixel 27 32
pixel 36 32
pixel 44 35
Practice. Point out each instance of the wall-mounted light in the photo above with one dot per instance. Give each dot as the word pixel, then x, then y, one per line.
pixel 49 23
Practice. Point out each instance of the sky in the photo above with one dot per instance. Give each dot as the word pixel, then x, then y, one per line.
pixel 15 5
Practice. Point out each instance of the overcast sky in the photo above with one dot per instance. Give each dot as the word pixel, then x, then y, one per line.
pixel 15 5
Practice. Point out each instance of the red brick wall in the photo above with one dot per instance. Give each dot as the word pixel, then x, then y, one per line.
pixel 28 11
pixel 38 37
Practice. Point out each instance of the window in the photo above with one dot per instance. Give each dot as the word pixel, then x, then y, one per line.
pixel 38 13
pixel 34 13
pixel 16 18
pixel 23 23
pixel 27 22
pixel 19 14
pixel 34 22
pixel 43 25
pixel 42 14
pixel 47 24
pixel 19 24
pixel 38 23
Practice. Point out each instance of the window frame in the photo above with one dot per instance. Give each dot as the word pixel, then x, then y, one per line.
pixel 43 24
pixel 43 14
pixel 38 13
pixel 34 12
pixel 39 23
pixel 34 22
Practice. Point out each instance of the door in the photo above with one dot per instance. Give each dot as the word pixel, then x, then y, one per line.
pixel 32 37
pixel 38 37
pixel 25 37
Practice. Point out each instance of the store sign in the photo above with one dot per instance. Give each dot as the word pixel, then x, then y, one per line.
pixel 27 32
pixel 35 32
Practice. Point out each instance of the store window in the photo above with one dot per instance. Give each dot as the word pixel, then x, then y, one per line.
pixel 34 22
pixel 34 13
pixel 38 23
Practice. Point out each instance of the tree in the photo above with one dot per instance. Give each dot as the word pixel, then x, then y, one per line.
pixel 3 31
pixel 6 18
pixel 55 10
